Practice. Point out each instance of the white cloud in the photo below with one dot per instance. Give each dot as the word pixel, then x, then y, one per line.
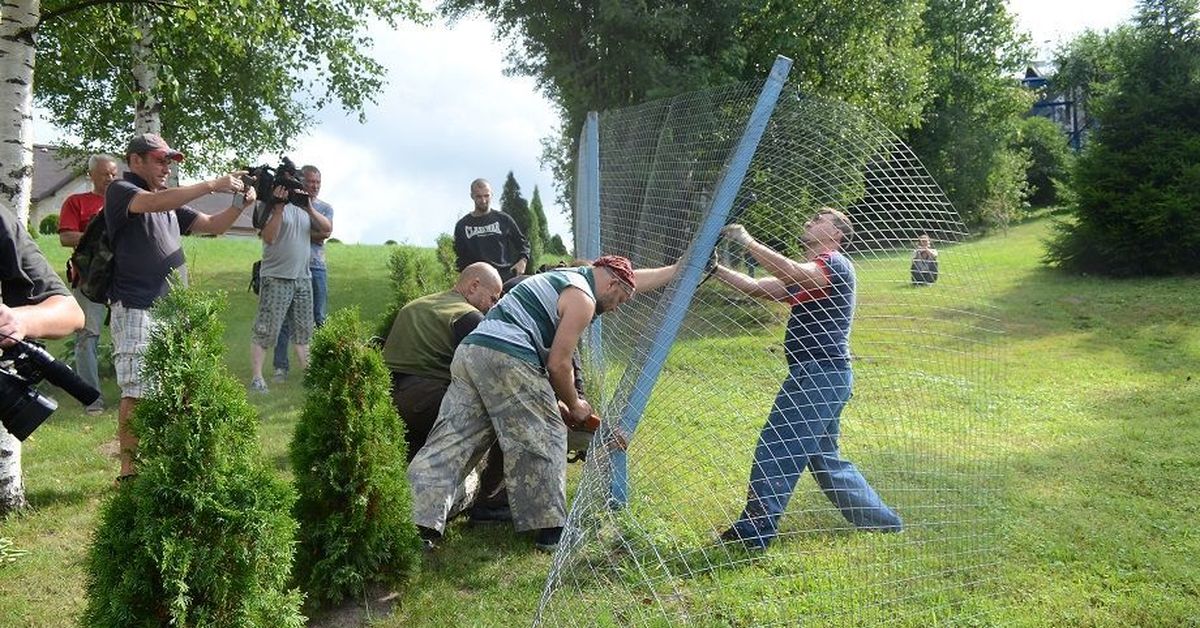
pixel 1050 23
pixel 447 116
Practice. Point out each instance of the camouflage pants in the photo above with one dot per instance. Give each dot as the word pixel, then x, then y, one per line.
pixel 494 397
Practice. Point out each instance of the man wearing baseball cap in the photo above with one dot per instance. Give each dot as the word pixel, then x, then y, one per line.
pixel 507 378
pixel 145 220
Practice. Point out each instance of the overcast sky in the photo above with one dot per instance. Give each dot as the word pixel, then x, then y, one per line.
pixel 448 114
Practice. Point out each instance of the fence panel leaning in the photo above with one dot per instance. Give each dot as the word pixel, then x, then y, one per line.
pixel 862 467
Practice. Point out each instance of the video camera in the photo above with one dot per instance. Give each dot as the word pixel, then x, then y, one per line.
pixel 22 367
pixel 265 178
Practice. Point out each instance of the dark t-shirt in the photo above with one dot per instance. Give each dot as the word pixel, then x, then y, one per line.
pixel 819 328
pixel 494 238
pixel 147 246
pixel 25 276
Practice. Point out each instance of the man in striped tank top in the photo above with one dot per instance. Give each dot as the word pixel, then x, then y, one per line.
pixel 507 378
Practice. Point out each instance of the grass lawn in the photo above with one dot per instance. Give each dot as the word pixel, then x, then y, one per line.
pixel 1091 466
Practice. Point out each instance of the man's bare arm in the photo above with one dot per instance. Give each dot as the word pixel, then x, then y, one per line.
pixel 765 288
pixel 69 239
pixel 575 314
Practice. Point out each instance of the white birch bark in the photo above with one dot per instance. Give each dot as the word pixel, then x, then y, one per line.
pixel 18 23
pixel 145 78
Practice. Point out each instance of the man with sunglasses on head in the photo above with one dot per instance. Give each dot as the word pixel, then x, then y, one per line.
pixel 145 221
pixel 508 377
pixel 803 427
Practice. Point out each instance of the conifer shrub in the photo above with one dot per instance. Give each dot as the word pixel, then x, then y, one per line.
pixel 414 272
pixel 349 457
pixel 48 225
pixel 203 536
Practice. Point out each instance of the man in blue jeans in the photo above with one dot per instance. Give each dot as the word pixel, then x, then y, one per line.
pixel 803 426
pixel 316 267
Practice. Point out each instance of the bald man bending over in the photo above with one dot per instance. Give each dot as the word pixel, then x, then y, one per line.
pixel 422 341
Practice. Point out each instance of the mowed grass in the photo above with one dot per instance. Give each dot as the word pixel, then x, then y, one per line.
pixel 1093 463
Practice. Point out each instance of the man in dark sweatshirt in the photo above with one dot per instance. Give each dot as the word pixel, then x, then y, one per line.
pixel 486 235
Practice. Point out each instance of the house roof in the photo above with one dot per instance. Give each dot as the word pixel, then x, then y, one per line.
pixel 52 171
pixel 216 203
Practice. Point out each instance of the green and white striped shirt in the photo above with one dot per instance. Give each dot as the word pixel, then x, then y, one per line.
pixel 522 324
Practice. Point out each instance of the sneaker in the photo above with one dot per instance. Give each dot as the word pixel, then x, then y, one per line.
pixel 429 538
pixel 258 385
pixel 96 409
pixel 280 376
pixel 546 539
pixel 753 544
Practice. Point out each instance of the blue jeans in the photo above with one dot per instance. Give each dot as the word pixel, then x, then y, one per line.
pixel 86 364
pixel 320 289
pixel 802 432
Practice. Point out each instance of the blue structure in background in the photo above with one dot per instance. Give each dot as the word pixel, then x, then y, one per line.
pixel 1059 108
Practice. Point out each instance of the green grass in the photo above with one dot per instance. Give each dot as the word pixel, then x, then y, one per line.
pixel 1094 447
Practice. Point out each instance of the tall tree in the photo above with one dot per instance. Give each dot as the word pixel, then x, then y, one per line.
pixel 18 28
pixel 1086 66
pixel 515 205
pixel 539 212
pixel 967 132
pixel 594 56
pixel 1137 182
pixel 224 78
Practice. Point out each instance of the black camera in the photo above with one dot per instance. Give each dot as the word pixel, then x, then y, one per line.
pixel 22 367
pixel 265 179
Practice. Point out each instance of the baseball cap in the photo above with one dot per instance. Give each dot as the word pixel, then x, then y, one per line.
pixel 620 267
pixel 154 144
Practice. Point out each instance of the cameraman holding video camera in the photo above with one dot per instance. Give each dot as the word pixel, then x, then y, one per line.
pixel 35 304
pixel 286 290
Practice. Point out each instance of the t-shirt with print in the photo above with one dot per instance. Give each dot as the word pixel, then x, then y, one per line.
pixel 287 256
pixel 146 247
pixel 78 210
pixel 25 276
pixel 819 327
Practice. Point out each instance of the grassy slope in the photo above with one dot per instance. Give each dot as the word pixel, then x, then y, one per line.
pixel 1099 431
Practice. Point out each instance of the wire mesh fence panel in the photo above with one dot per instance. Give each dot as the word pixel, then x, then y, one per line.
pixel 884 440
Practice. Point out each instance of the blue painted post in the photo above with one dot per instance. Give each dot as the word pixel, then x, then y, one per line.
pixel 697 256
pixel 587 237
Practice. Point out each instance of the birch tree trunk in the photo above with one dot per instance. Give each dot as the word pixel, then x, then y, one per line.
pixel 147 116
pixel 18 24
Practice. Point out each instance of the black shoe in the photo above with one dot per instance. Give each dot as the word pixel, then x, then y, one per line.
pixel 752 543
pixel 546 539
pixel 486 514
pixel 429 538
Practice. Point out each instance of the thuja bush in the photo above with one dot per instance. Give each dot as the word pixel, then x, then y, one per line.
pixel 203 535
pixel 413 272
pixel 348 452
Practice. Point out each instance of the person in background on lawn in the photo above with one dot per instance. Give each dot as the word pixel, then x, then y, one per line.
pixel 924 268
pixel 486 235
pixel 145 221
pixel 77 211
pixel 311 177
pixel 286 292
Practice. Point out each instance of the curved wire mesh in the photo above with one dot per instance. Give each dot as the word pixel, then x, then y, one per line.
pixel 917 426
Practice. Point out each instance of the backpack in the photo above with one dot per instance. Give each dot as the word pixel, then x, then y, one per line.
pixel 93 263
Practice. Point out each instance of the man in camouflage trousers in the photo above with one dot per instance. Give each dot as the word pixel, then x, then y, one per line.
pixel 507 378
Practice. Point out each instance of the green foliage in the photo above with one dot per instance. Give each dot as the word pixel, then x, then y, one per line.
pixel 446 255
pixel 413 272
pixel 539 212
pixel 348 453
pixel 234 78
pixel 969 128
pixel 515 205
pixel 606 55
pixel 203 535
pixel 1086 66
pixel 1050 159
pixel 390 243
pixel 557 247
pixel 1138 181
pixel 48 225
